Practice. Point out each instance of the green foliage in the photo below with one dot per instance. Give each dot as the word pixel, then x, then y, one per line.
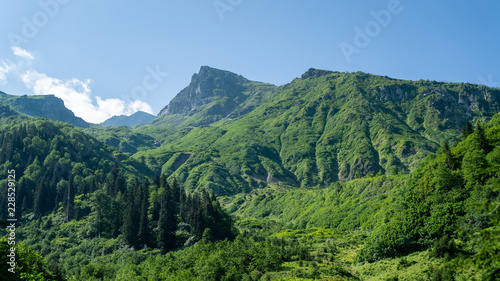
pixel 29 265
pixel 311 132
pixel 443 247
pixel 296 166
pixel 442 203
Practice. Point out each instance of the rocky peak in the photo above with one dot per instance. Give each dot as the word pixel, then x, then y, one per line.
pixel 208 85
pixel 312 72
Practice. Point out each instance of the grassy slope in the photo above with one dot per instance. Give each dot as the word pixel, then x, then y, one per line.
pixel 323 128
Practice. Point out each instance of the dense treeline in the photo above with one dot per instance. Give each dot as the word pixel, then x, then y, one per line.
pixel 64 176
pixel 452 200
pixel 95 216
pixel 54 161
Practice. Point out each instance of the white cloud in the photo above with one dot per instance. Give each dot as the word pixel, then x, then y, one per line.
pixel 22 53
pixel 138 105
pixel 76 94
pixel 77 97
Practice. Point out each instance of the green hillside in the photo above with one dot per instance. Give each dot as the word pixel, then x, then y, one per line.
pixel 47 106
pixel 334 176
pixel 319 129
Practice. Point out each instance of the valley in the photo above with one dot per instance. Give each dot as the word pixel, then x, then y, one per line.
pixel 332 176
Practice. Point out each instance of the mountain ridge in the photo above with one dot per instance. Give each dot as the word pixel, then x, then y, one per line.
pixel 213 95
pixel 48 106
pixel 320 128
pixel 138 118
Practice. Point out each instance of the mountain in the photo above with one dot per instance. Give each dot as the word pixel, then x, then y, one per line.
pixel 47 106
pixel 338 176
pixel 137 118
pixel 323 127
pixel 213 95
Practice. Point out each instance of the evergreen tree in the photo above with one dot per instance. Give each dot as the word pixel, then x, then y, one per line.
pixel 467 130
pixel 144 234
pixel 483 142
pixel 111 180
pixel 131 219
pixel 68 200
pixel 450 162
pixel 167 223
pixel 155 200
pixel 41 196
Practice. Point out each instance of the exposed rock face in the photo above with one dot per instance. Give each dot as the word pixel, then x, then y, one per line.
pixel 312 72
pixel 321 128
pixel 207 86
pixel 137 118
pixel 453 108
pixel 394 93
pixel 215 94
pixel 49 107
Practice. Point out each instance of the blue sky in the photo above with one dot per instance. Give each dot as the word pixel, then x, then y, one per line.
pixel 116 57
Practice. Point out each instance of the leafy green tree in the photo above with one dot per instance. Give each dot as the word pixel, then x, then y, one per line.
pixel 487 241
pixel 474 166
pixel 30 265
pixel 103 212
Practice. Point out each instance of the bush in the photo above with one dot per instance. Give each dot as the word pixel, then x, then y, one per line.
pixel 444 247
pixel 444 273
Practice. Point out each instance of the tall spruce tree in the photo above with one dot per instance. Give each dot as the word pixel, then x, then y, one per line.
pixel 144 235
pixel 449 158
pixel 467 130
pixel 131 219
pixel 167 223
pixel 68 200
pixel 483 142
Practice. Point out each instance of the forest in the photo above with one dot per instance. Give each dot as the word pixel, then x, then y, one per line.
pixel 216 202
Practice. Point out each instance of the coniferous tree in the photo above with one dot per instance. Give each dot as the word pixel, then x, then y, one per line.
pixel 176 192
pixel 144 234
pixel 167 223
pixel 111 181
pixel 117 217
pixel 155 199
pixel 483 142
pixel 467 130
pixel 449 158
pixel 156 181
pixel 41 196
pixel 131 219
pixel 68 200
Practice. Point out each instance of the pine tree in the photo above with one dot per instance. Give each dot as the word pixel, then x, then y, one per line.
pixel 144 234
pixel 467 130
pixel 449 158
pixel 155 200
pixel 131 219
pixel 483 142
pixel 167 223
pixel 41 197
pixel 111 181
pixel 68 200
